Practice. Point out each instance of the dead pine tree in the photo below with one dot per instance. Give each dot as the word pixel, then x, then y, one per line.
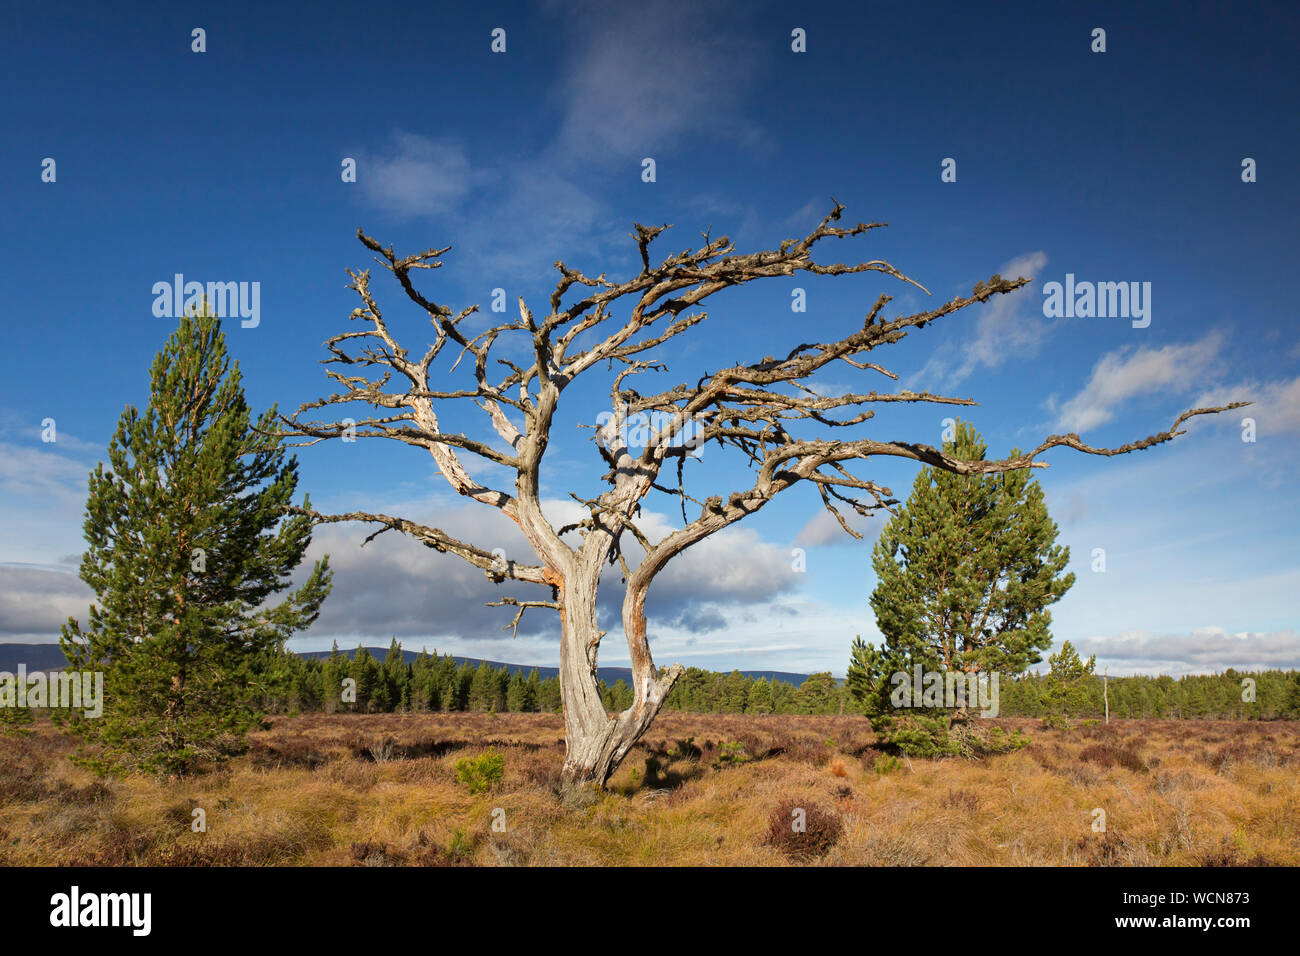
pixel 761 411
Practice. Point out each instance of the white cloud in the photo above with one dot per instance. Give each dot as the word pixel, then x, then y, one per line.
pixel 42 500
pixel 420 176
pixel 36 602
pixel 638 81
pixel 1204 650
pixel 786 633
pixel 1275 408
pixel 822 529
pixel 1126 373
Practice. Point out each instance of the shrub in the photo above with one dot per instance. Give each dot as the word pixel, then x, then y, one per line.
pixel 1111 849
pixel 730 754
pixel 381 751
pixel 803 830
pixel 917 736
pixel 1105 755
pixel 482 772
pixel 887 763
pixel 977 743
pixel 461 847
pixel 15 721
pixel 376 854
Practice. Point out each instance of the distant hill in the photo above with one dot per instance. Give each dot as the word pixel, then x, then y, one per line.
pixel 39 657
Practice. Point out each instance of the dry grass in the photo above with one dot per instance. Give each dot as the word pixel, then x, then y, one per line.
pixel 380 790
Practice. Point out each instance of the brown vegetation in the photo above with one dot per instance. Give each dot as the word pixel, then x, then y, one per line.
pixel 381 790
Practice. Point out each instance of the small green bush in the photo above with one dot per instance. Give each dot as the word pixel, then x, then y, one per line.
pixel 15 721
pixel 461 847
pixel 481 773
pixel 730 754
pixel 918 736
pixel 998 741
pixel 887 764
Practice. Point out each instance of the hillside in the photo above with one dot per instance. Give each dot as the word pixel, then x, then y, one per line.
pixel 45 656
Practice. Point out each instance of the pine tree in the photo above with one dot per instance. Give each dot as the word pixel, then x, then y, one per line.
pixel 332 672
pixel 397 678
pixel 1067 692
pixel 965 571
pixel 14 720
pixel 735 693
pixel 515 693
pixel 532 692
pixel 482 688
pixel 364 669
pixel 760 697
pixel 819 694
pixel 188 542
pixel 548 696
pixel 620 695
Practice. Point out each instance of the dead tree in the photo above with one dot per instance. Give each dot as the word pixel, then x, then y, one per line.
pixel 763 411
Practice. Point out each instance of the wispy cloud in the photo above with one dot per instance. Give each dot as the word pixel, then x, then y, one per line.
pixel 1275 405
pixel 638 83
pixel 42 498
pixel 418 176
pixel 1127 373
pixel 1006 327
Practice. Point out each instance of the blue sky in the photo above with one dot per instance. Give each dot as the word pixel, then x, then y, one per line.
pixel 1122 166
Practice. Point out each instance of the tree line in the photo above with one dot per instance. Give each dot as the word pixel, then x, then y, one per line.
pixel 1276 695
pixel 435 682
pixel 364 683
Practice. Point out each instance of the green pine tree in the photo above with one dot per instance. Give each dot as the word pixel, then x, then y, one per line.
pixel 965 572
pixel 15 721
pixel 532 692
pixel 1067 692
pixel 760 697
pixel 819 694
pixel 188 543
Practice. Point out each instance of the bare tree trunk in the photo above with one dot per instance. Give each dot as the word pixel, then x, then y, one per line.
pixel 596 743
pixel 587 728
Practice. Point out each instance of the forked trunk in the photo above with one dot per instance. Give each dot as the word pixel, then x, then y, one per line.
pixel 596 743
